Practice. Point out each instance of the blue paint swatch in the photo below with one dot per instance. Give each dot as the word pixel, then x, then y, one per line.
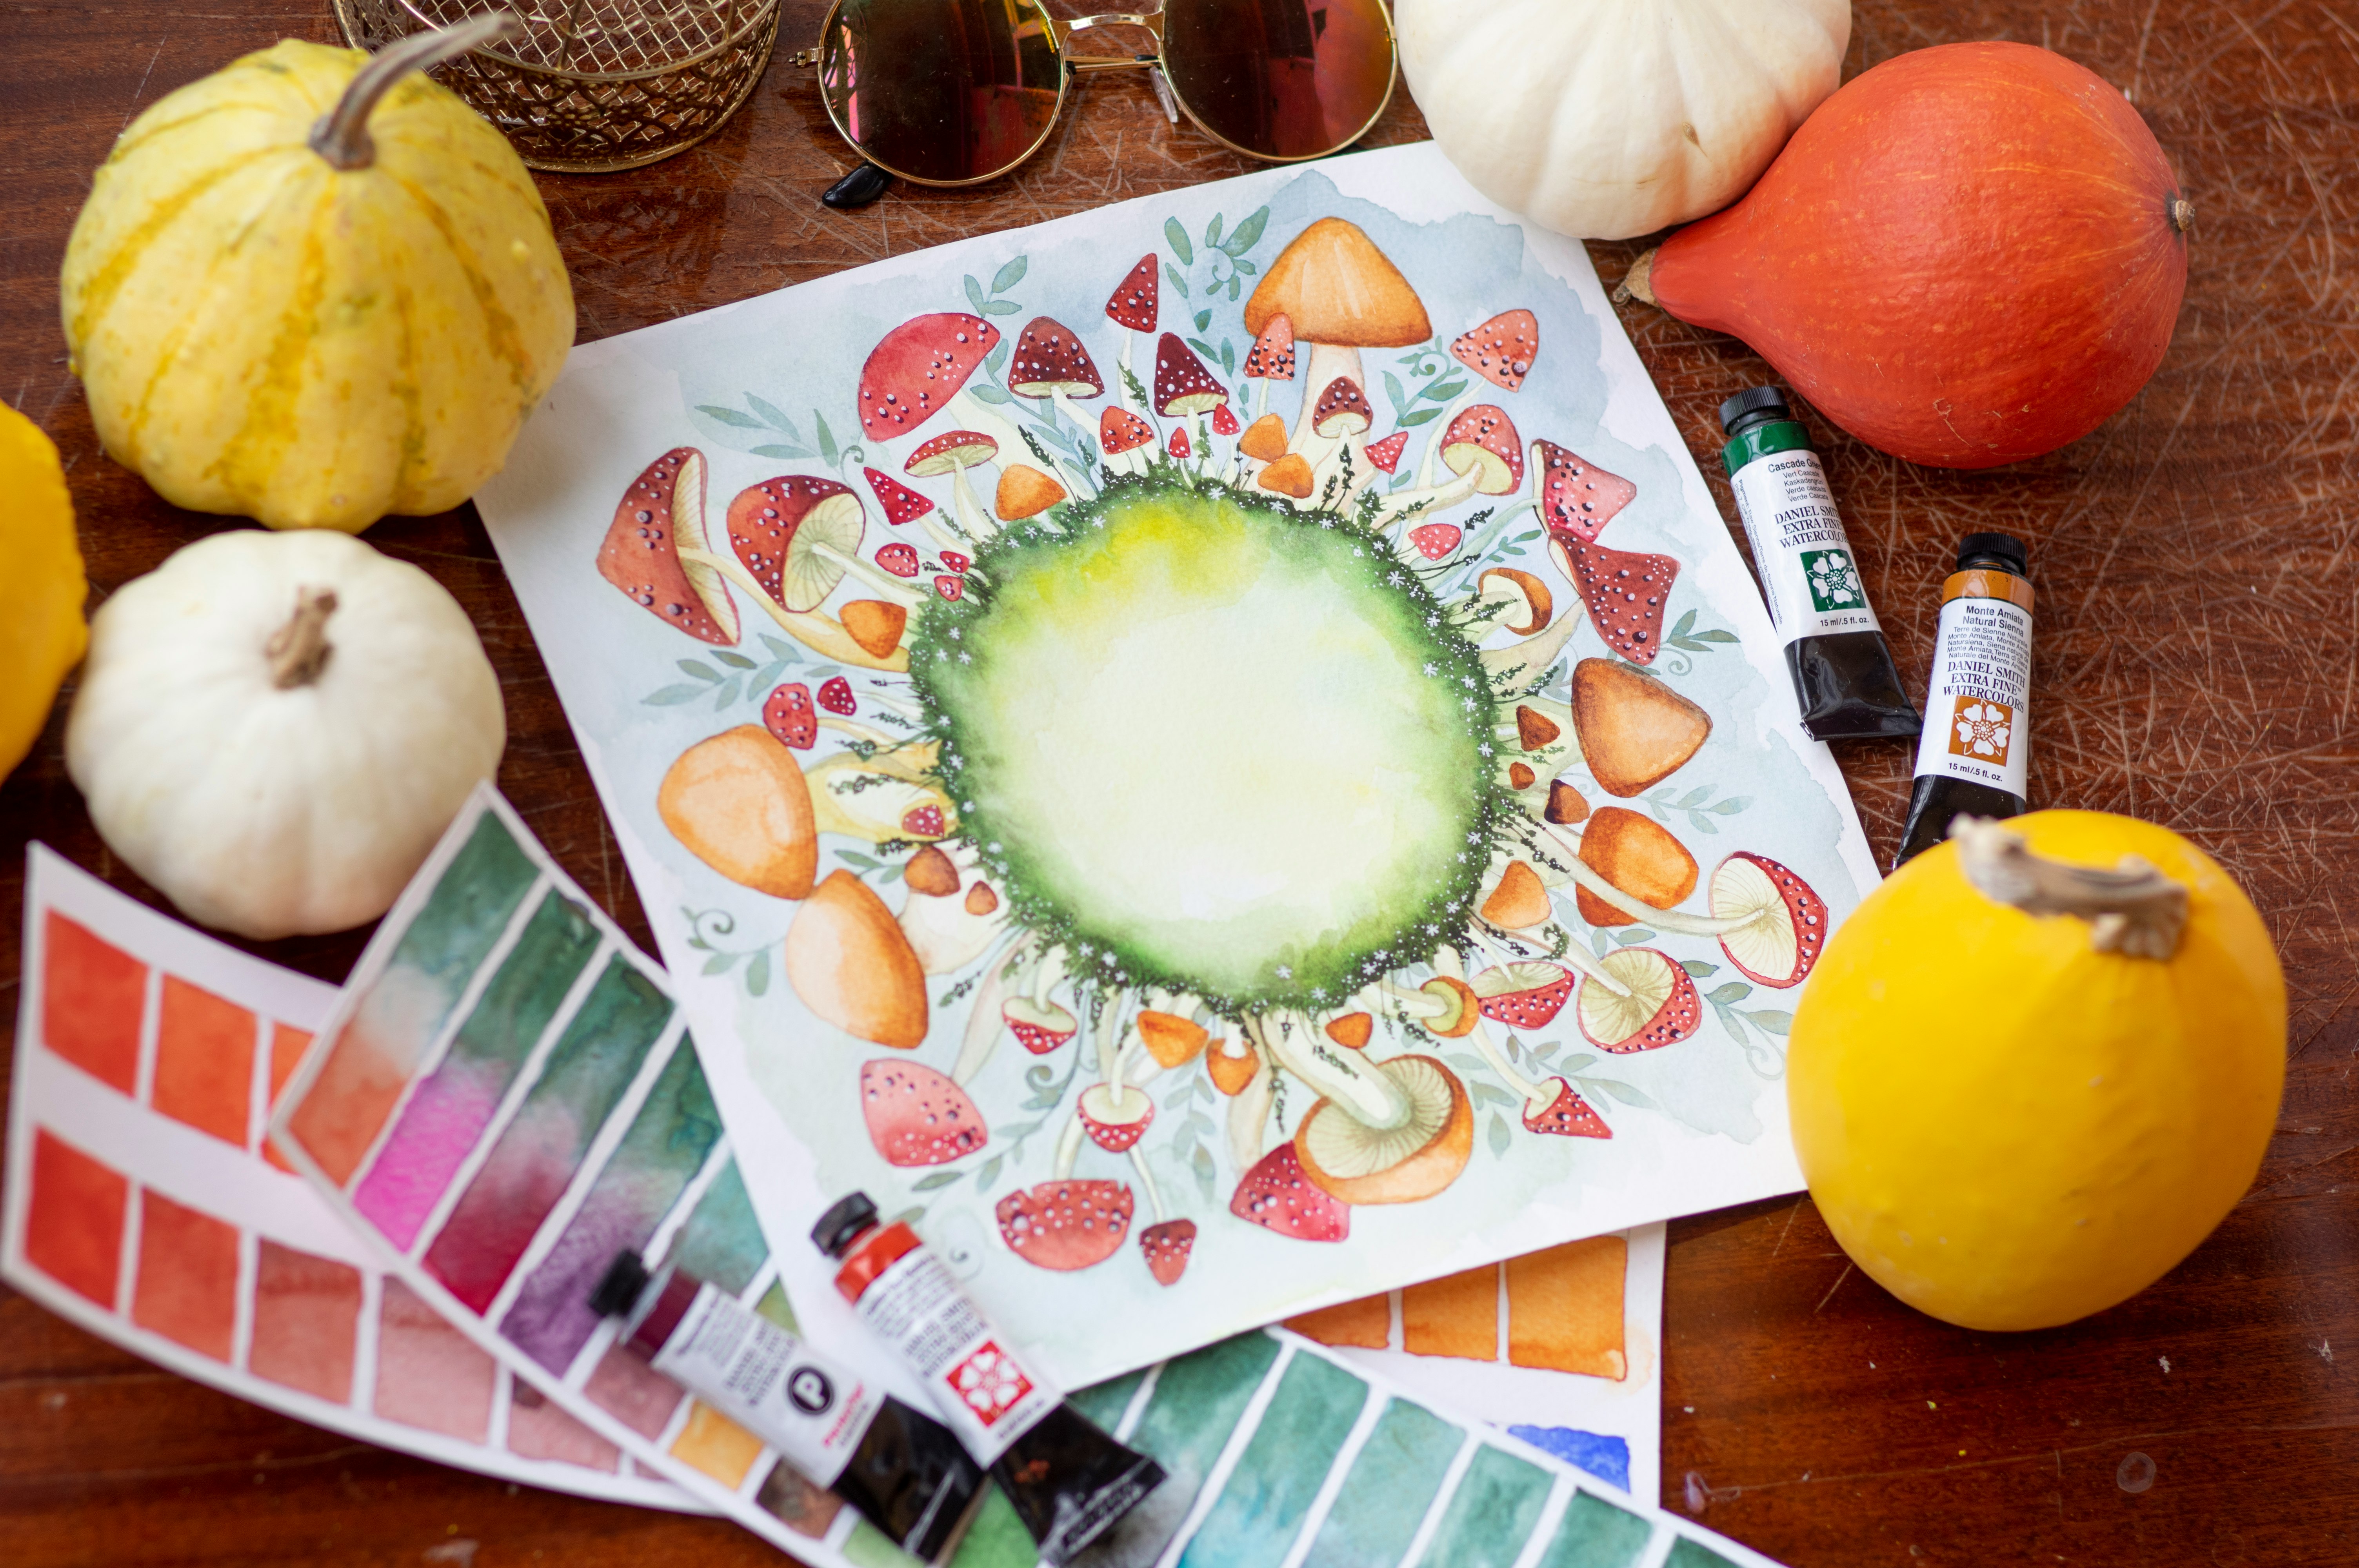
pixel 1283 1466
pixel 1394 1479
pixel 1607 1458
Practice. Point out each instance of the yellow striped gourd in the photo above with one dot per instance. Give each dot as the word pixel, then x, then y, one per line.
pixel 313 293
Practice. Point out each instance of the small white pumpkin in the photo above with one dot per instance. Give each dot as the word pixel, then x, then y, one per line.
pixel 1602 119
pixel 274 728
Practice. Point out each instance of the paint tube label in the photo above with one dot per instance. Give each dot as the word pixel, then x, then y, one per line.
pixel 1978 714
pixel 985 1393
pixel 1808 575
pixel 813 1410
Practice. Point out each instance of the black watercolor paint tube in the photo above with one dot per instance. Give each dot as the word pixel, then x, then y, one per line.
pixel 1975 756
pixel 906 1473
pixel 1068 1480
pixel 1844 675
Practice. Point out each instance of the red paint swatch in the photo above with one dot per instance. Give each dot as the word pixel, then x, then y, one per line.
pixel 540 1430
pixel 187 1286
pixel 204 1061
pixel 306 1315
pixel 73 1224
pixel 427 1373
pixel 92 996
pixel 287 1047
pixel 632 1393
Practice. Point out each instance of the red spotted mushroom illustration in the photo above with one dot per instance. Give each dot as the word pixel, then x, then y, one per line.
pixel 916 1117
pixel 1183 387
pixel 952 453
pixel 1134 307
pixel 1271 358
pixel 1050 363
pixel 661 514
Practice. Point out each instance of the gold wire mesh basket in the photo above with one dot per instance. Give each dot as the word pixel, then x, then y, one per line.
pixel 592 85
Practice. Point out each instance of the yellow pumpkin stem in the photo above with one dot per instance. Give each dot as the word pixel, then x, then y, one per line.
pixel 2132 910
pixel 342 135
pixel 299 650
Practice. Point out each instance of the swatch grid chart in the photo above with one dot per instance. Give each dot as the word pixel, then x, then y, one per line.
pixel 1281 1454
pixel 144 1204
pixel 505 1098
pixel 1562 1347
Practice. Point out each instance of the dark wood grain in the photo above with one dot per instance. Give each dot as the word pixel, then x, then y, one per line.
pixel 2198 650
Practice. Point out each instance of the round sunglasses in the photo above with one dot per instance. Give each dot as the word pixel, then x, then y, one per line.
pixel 958 91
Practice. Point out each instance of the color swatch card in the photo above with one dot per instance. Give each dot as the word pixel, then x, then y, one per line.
pixel 143 1204
pixel 1562 1348
pixel 502 1099
pixel 1282 1453
pixel 1231 715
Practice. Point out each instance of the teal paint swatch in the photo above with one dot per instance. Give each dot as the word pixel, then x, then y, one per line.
pixel 583 1078
pixel 721 1243
pixel 1687 1553
pixel 463 916
pixel 996 1538
pixel 1594 1533
pixel 1492 1514
pixel 1394 1479
pixel 1197 1403
pixel 1262 1505
pixel 1104 1403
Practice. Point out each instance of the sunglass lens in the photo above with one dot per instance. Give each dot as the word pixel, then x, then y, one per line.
pixel 941 90
pixel 1281 78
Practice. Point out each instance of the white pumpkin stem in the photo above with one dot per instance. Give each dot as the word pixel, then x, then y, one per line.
pixel 299 650
pixel 342 135
pixel 2132 910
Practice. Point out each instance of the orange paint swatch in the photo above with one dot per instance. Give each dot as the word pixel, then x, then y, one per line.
pixel 187 1287
pixel 204 1061
pixel 92 995
pixel 716 1445
pixel 288 1045
pixel 1457 1315
pixel 1564 1308
pixel 307 1313
pixel 1367 1323
pixel 73 1224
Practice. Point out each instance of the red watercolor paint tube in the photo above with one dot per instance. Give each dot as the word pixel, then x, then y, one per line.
pixel 1070 1482
pixel 904 1471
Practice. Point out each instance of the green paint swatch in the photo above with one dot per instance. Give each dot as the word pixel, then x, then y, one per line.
pixel 1197 1403
pixel 722 1242
pixel 775 1306
pixel 1594 1533
pixel 1492 1514
pixel 1686 1553
pixel 1104 1403
pixel 1394 1479
pixel 1283 1466
pixel 508 1021
pixel 467 912
pixel 996 1538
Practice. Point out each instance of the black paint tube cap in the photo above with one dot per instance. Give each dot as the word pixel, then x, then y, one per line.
pixel 2003 551
pixel 1752 400
pixel 838 1227
pixel 619 1292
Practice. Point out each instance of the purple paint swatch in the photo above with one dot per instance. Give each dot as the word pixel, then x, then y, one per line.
pixel 450 1110
pixel 667 1145
pixel 586 1073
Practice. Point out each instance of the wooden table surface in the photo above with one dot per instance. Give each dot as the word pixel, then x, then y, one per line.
pixel 2198 657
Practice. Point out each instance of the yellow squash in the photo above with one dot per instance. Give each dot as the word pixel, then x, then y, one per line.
pixel 2008 1125
pixel 42 634
pixel 314 313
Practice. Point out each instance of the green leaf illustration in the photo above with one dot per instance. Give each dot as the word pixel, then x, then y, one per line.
pixel 672 696
pixel 1228 357
pixel 1212 231
pixel 1441 389
pixel 1777 1021
pixel 1177 238
pixel 1411 421
pixel 1247 233
pixel 718 963
pixel 1000 308
pixel 826 436
pixel 1499 1135
pixel 770 412
pixel 786 652
pixel 727 694
pixel 733 659
pixel 791 453
pixel 988 392
pixel 729 417
pixel 1203 320
pixel 1178 282
pixel 937 1181
pixel 1393 390
pixel 974 295
pixel 757 973
pixel 701 671
pixel 1009 275
pixel 1698 969
pixel 1721 995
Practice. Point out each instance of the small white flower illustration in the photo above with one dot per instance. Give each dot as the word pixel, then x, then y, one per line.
pixel 1834 580
pixel 1984 730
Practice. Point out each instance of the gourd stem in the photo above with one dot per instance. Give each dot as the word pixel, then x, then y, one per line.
pixel 342 135
pixel 2182 214
pixel 1637 282
pixel 299 650
pixel 2132 910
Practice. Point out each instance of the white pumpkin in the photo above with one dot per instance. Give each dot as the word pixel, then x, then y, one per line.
pixel 1602 119
pixel 274 728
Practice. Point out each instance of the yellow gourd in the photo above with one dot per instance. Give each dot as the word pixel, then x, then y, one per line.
pixel 2011 1120
pixel 313 293
pixel 42 634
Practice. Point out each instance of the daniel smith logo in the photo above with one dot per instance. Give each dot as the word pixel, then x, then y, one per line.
pixel 1982 729
pixel 989 1382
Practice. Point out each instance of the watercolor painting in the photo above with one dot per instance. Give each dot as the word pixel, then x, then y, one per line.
pixel 1216 751
pixel 143 1205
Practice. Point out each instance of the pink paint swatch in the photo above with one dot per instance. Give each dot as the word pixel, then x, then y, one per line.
pixel 427 1375
pixel 307 1312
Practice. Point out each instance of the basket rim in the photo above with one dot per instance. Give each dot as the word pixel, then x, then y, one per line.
pixel 752 17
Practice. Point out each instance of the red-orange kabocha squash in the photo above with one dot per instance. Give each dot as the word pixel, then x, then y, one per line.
pixel 1969 255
